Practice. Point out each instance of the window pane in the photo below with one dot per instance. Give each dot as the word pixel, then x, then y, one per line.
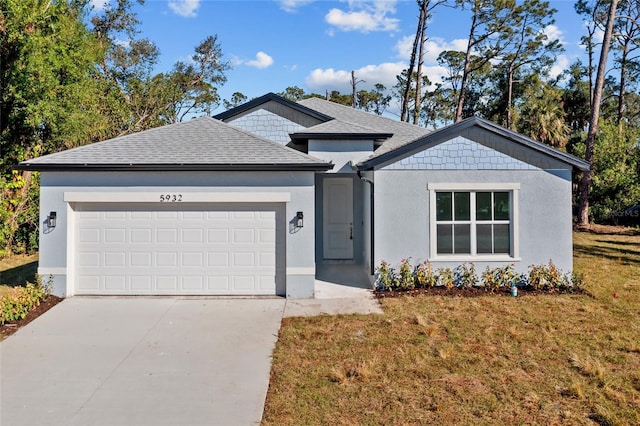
pixel 462 204
pixel 445 239
pixel 443 206
pixel 462 238
pixel 501 205
pixel 483 206
pixel 484 239
pixel 501 241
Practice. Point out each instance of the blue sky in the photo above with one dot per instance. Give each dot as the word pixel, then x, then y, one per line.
pixel 315 44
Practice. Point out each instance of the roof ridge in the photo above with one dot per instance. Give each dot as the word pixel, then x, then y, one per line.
pixel 361 112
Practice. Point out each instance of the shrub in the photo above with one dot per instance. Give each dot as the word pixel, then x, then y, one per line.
pixel 546 277
pixel 540 277
pixel 445 277
pixel 425 276
pixel 505 276
pixel 465 276
pixel 405 280
pixel 384 274
pixel 17 304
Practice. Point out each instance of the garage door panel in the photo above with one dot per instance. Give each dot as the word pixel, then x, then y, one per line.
pixel 220 249
pixel 89 259
pixel 140 236
pixel 244 236
pixel 115 283
pixel 115 259
pixel 141 283
pixel 166 236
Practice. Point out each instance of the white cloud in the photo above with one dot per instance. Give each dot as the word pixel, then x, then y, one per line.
pixel 433 47
pixel 185 8
pixel 554 33
pixel 560 66
pixel 99 5
pixel 364 16
pixel 332 79
pixel 261 61
pixel 293 5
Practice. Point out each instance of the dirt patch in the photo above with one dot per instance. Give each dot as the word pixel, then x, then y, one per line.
pixel 9 328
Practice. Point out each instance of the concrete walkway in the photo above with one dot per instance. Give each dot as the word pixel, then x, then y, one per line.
pixel 339 289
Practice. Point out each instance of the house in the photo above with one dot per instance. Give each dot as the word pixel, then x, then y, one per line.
pixel 257 199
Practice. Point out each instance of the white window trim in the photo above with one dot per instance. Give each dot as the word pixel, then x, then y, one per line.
pixel 513 188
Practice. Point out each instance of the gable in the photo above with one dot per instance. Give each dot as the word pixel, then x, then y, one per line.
pixel 484 133
pixel 460 153
pixel 267 124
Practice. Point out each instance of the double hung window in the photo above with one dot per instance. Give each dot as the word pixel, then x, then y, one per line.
pixel 473 223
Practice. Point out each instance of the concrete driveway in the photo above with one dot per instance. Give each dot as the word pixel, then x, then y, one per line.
pixel 141 361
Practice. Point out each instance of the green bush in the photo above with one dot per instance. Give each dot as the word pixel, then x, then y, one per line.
pixel 465 276
pixel 495 278
pixel 17 304
pixel 425 276
pixel 548 277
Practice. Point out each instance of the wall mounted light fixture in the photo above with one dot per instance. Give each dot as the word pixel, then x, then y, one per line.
pixel 51 220
pixel 299 220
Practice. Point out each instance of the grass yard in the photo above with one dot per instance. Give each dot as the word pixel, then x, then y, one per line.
pixel 18 269
pixel 545 359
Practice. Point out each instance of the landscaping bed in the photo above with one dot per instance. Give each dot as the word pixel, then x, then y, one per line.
pixel 11 327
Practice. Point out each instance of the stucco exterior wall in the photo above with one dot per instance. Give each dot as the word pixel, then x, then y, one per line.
pixel 56 248
pixel 544 214
pixel 341 152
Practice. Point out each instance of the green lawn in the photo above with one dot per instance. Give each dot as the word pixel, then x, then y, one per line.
pixel 550 359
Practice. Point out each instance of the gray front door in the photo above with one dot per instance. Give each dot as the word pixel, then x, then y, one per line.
pixel 338 218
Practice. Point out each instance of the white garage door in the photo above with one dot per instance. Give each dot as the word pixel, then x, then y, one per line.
pixel 178 249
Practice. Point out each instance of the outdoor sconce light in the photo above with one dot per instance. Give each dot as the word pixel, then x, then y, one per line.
pixel 51 220
pixel 299 220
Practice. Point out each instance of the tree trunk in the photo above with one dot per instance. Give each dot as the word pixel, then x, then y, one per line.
pixel 404 113
pixel 466 70
pixel 623 82
pixel 509 97
pixel 585 182
pixel 423 25
pixel 353 89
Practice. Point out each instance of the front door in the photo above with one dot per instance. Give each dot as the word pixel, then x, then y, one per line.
pixel 338 218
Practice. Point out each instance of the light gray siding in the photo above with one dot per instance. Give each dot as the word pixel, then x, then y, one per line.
pixel 267 125
pixel 460 154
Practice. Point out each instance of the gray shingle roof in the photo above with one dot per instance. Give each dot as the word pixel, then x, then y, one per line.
pixel 200 144
pixel 403 133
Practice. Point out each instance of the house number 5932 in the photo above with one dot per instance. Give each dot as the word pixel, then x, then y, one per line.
pixel 170 198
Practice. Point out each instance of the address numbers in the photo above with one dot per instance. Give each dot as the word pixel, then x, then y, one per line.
pixel 170 198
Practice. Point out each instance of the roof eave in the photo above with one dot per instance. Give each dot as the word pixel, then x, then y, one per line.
pixel 173 167
pixel 344 136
